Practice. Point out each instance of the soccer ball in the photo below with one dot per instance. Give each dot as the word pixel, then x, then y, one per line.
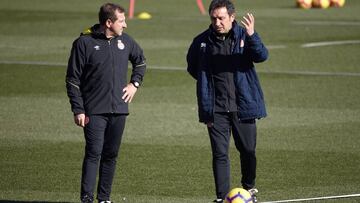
pixel 238 195
pixel 321 4
pixel 306 4
pixel 337 3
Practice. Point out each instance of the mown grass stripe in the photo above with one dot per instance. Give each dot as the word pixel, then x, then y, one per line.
pixel 312 73
pixel 343 23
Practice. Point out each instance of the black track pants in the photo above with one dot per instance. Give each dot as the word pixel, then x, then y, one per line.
pixel 103 136
pixel 244 134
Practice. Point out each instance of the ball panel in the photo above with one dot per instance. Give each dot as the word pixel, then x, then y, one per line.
pixel 238 195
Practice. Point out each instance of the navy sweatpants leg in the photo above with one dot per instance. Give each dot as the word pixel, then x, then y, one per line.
pixel 103 136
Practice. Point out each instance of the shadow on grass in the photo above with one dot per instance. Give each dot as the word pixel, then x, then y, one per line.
pixel 18 201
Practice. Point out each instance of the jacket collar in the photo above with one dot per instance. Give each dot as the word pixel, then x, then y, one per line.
pixel 95 31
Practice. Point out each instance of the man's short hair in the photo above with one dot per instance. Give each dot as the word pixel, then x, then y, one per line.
pixel 215 4
pixel 107 11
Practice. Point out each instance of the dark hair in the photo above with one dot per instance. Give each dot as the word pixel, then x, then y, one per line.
pixel 215 4
pixel 107 11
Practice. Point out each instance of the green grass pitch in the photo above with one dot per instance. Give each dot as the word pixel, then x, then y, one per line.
pixel 308 146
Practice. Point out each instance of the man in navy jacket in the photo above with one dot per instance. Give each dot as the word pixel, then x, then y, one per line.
pixel 221 59
pixel 99 94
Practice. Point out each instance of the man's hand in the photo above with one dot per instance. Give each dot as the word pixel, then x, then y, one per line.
pixel 249 23
pixel 81 120
pixel 129 92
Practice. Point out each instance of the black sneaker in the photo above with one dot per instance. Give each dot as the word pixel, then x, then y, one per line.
pixel 253 192
pixel 87 199
pixel 218 201
pixel 105 201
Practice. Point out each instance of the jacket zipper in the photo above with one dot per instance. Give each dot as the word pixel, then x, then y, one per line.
pixel 113 76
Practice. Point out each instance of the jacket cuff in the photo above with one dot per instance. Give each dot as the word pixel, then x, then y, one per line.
pixel 78 111
pixel 254 38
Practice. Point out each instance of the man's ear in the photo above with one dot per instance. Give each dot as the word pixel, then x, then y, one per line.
pixel 232 17
pixel 108 23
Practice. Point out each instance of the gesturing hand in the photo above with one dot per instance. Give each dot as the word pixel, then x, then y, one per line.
pixel 249 23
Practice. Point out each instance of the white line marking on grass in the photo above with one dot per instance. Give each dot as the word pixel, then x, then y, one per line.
pixel 40 63
pixel 312 73
pixel 330 43
pixel 315 198
pixel 167 68
pixel 343 23
pixel 276 46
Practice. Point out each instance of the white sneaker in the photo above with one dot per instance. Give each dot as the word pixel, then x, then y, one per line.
pixel 253 192
pixel 87 199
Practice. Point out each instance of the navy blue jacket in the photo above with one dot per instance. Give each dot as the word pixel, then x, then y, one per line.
pixel 246 50
pixel 97 72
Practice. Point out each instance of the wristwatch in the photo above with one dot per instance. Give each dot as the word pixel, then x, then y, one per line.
pixel 136 84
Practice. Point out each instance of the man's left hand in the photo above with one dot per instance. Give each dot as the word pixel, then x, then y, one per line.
pixel 129 92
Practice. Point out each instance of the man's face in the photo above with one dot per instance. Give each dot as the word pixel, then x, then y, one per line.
pixel 118 26
pixel 221 21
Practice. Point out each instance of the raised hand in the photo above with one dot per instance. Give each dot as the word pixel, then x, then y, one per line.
pixel 249 23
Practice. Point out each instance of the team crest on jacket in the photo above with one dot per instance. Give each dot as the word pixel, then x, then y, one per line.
pixel 120 45
pixel 242 43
